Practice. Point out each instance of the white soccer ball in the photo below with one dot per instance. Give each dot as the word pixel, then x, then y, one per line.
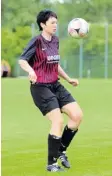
pixel 78 28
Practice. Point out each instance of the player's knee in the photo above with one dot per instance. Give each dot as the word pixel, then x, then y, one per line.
pixel 77 116
pixel 80 116
pixel 58 122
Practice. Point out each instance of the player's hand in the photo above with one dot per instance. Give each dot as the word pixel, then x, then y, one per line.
pixel 32 77
pixel 74 82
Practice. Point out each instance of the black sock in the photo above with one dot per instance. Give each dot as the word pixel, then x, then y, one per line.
pixel 53 148
pixel 67 137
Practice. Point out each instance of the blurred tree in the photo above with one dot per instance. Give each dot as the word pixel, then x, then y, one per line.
pixel 24 12
pixel 13 43
pixel 18 16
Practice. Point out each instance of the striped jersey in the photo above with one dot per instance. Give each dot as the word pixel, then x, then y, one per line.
pixel 43 56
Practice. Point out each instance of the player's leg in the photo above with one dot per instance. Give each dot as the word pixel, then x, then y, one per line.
pixel 69 106
pixel 74 113
pixel 47 102
pixel 54 139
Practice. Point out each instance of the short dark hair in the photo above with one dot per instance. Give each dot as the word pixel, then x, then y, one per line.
pixel 43 16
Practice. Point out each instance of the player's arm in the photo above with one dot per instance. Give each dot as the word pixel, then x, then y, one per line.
pixel 26 67
pixel 62 74
pixel 25 57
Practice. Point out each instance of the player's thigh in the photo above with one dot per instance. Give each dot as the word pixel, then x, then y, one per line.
pixel 73 111
pixel 55 116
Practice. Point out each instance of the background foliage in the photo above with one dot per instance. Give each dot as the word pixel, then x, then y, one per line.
pixel 18 17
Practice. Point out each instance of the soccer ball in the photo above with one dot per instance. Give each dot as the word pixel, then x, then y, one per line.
pixel 78 28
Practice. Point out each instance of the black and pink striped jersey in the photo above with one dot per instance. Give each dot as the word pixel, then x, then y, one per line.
pixel 43 56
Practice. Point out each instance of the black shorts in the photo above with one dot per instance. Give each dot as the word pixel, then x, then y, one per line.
pixel 49 96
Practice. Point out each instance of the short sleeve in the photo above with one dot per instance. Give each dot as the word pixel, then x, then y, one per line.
pixel 30 50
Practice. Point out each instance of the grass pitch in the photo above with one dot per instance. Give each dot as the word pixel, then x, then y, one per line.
pixel 25 130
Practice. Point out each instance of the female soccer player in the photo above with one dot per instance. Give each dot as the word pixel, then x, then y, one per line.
pixel 41 60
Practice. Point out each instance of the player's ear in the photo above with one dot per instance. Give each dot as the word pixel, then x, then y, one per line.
pixel 42 25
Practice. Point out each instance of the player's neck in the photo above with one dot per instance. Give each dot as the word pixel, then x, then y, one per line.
pixel 46 35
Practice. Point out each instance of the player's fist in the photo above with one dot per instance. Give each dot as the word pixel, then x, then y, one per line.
pixel 74 82
pixel 32 77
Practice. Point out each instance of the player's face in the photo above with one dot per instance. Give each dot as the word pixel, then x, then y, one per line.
pixel 51 25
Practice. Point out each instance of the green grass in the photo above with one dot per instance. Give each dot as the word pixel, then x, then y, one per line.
pixel 25 130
